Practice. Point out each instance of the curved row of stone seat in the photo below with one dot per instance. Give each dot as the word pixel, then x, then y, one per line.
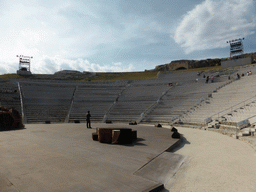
pixel 135 99
pixel 97 99
pixel 232 103
pixel 46 102
pixel 71 82
pixel 181 99
pixel 43 113
pixel 115 99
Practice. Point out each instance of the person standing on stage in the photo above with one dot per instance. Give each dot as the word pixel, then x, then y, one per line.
pixel 88 120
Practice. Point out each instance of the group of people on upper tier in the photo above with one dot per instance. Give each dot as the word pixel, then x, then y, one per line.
pixel 249 73
pixel 208 78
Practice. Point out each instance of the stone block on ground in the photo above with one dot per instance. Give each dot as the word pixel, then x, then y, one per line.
pixel 133 123
pixel 10 119
pixel 243 124
pixel 246 133
pixel 176 135
pixel 208 120
pixel 174 129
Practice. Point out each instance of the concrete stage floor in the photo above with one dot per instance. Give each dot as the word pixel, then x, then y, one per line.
pixel 63 157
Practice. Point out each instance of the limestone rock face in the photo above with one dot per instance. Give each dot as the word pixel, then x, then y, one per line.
pixel 10 119
pixel 187 64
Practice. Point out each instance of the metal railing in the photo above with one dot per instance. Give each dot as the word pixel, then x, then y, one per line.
pixel 234 107
pixel 24 120
pixel 114 103
pixel 174 119
pixel 151 107
pixel 71 105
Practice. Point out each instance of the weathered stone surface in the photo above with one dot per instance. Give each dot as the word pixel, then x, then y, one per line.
pixel 188 64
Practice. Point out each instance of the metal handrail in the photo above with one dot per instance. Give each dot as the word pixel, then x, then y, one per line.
pixel 22 105
pixel 114 103
pixel 149 109
pixel 232 107
pixel 71 105
pixel 182 115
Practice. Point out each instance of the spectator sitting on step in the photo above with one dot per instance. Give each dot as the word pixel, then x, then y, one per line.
pixel 207 79
pixel 238 76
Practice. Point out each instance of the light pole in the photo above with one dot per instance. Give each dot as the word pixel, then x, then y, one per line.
pixel 24 61
pixel 236 47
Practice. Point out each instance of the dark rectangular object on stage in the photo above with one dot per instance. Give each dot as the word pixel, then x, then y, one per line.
pixel 105 135
pixel 125 136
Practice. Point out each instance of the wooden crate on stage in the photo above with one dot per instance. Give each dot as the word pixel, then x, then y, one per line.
pixel 105 135
pixel 115 136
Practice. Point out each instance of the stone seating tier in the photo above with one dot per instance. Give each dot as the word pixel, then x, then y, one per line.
pixel 132 100
pixel 227 97
pixel 179 100
pixel 44 113
pixel 9 96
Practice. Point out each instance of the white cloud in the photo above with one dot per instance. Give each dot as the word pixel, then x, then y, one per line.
pixel 57 34
pixel 50 65
pixel 8 67
pixel 210 24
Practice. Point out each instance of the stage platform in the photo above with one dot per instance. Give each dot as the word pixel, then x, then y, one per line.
pixel 63 157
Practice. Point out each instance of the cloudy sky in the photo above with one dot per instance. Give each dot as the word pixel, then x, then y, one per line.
pixel 120 35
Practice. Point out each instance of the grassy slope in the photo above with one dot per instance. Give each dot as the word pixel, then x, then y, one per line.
pixel 124 76
pixel 117 76
pixel 10 76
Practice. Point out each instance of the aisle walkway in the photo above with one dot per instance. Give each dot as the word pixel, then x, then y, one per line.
pixel 215 162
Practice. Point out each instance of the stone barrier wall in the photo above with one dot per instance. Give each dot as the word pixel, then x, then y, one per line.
pixel 236 62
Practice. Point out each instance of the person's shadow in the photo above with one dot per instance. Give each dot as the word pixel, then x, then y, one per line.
pixel 183 142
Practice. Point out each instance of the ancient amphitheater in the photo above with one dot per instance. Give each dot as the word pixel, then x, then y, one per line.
pixel 53 153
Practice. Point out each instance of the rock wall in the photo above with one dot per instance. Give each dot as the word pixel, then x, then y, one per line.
pixel 188 64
